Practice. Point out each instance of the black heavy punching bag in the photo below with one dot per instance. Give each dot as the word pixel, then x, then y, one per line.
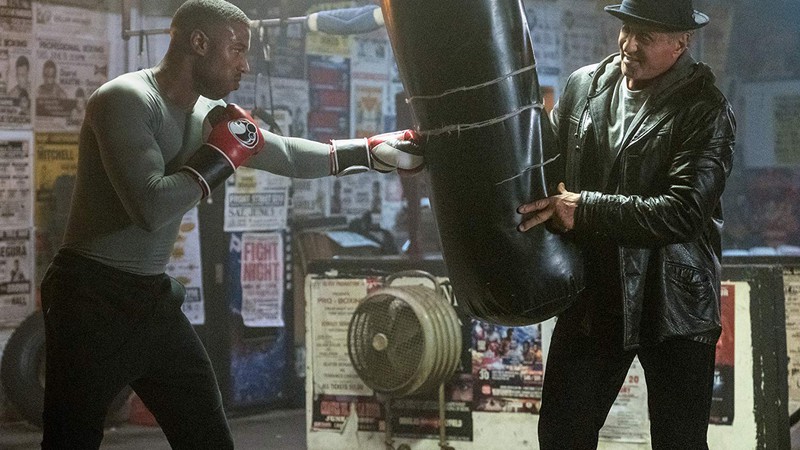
pixel 468 71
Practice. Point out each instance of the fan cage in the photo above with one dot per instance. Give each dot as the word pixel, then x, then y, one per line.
pixel 404 340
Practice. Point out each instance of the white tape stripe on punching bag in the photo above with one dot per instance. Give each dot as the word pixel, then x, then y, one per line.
pixel 468 68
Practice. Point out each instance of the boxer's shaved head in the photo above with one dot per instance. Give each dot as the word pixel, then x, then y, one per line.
pixel 206 16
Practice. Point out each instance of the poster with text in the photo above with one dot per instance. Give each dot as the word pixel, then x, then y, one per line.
pixel 290 106
pixel 256 200
pixel 627 419
pixel 786 115
pixel 65 78
pixel 185 265
pixel 791 295
pixel 16 61
pixel 356 195
pixel 332 304
pixel 370 80
pixel 587 34
pixel 309 197
pixel 507 367
pixel 332 412
pixel 417 417
pixel 17 298
pixel 328 97
pixel 16 181
pixel 55 166
pixel 262 278
pixel 280 105
pixel 71 52
pixel 287 49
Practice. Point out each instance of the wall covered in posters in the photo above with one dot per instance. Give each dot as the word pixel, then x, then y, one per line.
pixel 52 57
pixel 500 383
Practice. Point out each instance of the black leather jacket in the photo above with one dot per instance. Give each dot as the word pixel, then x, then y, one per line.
pixel 661 208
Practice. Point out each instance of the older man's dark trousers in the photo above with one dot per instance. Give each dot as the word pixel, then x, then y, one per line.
pixel 585 371
pixel 106 329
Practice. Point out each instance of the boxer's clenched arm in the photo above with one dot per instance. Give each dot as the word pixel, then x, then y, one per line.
pixel 122 124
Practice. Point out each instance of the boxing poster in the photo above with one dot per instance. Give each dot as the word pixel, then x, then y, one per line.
pixel 332 304
pixel 309 197
pixel 287 45
pixel 335 412
pixel 369 71
pixel 418 417
pixel 722 397
pixel 55 166
pixel 256 200
pixel 71 57
pixel 16 180
pixel 328 97
pixel 16 59
pixel 279 105
pixel 627 419
pixel 339 395
pixel 791 295
pixel 357 196
pixel 17 299
pixel 185 265
pixel 507 367
pixel 289 106
pixel 261 275
pixel 341 400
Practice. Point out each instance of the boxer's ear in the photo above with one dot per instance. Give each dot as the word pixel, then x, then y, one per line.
pixel 199 42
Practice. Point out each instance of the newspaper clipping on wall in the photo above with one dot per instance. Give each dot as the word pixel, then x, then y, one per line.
pixel 16 270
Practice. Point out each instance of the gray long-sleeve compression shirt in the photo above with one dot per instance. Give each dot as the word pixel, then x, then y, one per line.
pixel 129 193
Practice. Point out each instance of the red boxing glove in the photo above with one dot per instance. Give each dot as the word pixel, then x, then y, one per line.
pixel 234 138
pixel 237 136
pixel 383 152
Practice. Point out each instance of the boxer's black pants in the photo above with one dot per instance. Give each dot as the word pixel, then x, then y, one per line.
pixel 106 329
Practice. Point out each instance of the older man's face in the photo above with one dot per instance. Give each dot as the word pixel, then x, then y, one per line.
pixel 647 52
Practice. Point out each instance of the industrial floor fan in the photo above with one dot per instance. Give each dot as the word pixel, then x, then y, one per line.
pixel 406 340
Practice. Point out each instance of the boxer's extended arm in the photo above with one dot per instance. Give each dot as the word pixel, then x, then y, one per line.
pixel 291 157
pixel 302 158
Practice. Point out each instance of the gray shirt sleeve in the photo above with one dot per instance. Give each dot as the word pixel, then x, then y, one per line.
pixel 292 157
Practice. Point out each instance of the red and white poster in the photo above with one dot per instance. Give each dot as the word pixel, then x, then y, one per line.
pixel 262 277
pixel 722 401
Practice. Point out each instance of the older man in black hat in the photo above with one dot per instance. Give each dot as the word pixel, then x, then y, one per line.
pixel 648 141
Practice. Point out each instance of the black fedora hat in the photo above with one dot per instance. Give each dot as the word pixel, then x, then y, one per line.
pixel 674 15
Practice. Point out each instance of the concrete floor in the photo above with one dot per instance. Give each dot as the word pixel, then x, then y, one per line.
pixel 276 430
